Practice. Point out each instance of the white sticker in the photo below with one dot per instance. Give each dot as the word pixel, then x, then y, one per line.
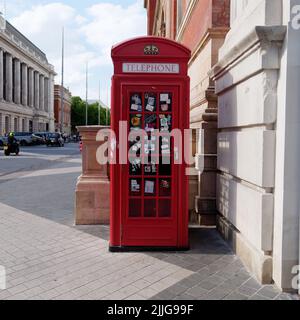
pixel 149 187
pixel 164 97
pixel 134 107
pixel 149 107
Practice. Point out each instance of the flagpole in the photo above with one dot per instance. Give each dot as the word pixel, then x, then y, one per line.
pixel 86 96
pixel 107 106
pixel 62 91
pixel 99 106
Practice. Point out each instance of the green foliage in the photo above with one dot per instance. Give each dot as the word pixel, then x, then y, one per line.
pixel 78 113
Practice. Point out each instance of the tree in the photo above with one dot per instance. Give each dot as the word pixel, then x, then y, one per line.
pixel 78 113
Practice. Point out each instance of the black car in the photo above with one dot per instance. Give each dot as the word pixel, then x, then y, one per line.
pixel 55 139
pixel 3 141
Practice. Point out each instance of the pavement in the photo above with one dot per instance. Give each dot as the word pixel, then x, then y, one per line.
pixel 47 258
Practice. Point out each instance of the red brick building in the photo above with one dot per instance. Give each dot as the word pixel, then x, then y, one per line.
pixel 201 25
pixel 67 109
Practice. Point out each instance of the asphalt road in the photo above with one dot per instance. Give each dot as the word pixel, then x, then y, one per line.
pixel 41 181
pixel 35 158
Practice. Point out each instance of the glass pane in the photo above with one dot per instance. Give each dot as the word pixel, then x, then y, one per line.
pixel 150 102
pixel 136 102
pixel 165 187
pixel 150 187
pixel 150 208
pixel 135 121
pixel 135 146
pixel 135 187
pixel 135 166
pixel 150 122
pixel 165 167
pixel 150 167
pixel 165 145
pixel 165 102
pixel 165 208
pixel 135 208
pixel 165 123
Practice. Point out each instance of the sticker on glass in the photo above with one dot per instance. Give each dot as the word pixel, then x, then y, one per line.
pixel 150 102
pixel 150 122
pixel 136 121
pixel 136 102
pixel 165 123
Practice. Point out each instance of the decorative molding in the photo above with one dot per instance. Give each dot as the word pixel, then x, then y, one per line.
pixel 260 34
pixel 212 33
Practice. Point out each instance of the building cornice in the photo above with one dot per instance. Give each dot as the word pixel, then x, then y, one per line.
pixel 211 33
pixel 186 19
pixel 258 36
pixel 17 46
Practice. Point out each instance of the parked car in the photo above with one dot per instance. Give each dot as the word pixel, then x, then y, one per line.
pixel 3 141
pixel 24 138
pixel 55 139
pixel 40 137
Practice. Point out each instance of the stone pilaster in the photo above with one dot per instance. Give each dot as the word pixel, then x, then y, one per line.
pixel 17 81
pixel 1 124
pixel 1 77
pixel 46 94
pixel 36 90
pixel 51 103
pixel 9 78
pixel 31 87
pixel 42 92
pixel 24 84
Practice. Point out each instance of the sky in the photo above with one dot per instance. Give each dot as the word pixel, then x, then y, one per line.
pixel 92 27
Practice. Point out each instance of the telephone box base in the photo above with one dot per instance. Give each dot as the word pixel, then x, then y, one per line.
pixel 146 249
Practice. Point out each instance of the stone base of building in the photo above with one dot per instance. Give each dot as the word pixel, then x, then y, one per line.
pixel 257 262
pixel 92 200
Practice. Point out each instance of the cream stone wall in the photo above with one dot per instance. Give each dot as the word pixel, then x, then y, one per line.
pixel 252 91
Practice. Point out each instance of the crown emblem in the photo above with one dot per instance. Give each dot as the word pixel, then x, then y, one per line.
pixel 151 50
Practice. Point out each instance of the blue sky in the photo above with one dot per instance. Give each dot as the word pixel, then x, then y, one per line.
pixel 91 28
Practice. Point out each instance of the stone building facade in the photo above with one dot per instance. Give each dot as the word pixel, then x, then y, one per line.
pixel 257 83
pixel 253 90
pixel 26 84
pixel 201 25
pixel 67 109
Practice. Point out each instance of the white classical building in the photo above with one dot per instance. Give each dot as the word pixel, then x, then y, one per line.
pixel 258 86
pixel 26 84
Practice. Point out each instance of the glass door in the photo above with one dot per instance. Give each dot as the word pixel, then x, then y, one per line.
pixel 151 176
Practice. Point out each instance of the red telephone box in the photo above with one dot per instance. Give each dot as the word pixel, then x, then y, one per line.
pixel 149 196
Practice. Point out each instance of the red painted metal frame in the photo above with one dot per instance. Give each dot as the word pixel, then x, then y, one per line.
pixel 122 228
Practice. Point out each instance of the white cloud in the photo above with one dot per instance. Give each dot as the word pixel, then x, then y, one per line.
pixel 89 36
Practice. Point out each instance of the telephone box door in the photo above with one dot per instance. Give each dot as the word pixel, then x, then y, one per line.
pixel 150 179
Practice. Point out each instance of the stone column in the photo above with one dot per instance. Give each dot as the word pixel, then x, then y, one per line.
pixel 31 87
pixel 92 190
pixel 1 75
pixel 9 78
pixel 36 90
pixel 24 84
pixel 17 81
pixel 46 94
pixel 42 92
pixel 1 124
pixel 51 103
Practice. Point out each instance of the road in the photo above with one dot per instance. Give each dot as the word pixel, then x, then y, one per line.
pixel 46 257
